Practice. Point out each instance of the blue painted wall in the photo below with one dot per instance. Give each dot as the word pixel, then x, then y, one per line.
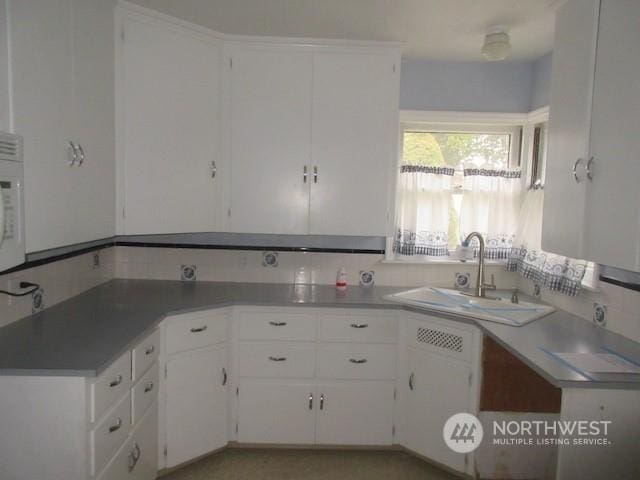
pixel 541 82
pixel 512 87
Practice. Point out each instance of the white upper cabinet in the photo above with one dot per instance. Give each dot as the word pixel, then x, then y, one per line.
pixel 595 101
pixel 613 222
pixel 569 123
pixel 313 134
pixel 62 91
pixel 355 122
pixel 270 130
pixel 169 168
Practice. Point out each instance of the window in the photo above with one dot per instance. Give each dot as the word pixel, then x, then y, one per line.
pixel 450 180
pixel 539 156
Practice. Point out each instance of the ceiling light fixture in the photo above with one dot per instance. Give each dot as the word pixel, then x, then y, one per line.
pixel 496 44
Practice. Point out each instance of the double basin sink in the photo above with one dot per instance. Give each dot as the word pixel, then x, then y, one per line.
pixel 493 309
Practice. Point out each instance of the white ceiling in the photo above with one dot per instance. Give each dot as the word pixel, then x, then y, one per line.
pixel 431 29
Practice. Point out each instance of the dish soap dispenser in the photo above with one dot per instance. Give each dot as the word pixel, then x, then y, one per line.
pixel 341 279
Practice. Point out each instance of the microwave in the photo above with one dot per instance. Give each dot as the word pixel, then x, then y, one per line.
pixel 12 245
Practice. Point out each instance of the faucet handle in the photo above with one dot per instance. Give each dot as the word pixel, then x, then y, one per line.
pixel 492 285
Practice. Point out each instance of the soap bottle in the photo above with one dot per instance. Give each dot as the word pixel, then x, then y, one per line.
pixel 341 279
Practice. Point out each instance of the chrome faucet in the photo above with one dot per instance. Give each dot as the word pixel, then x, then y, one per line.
pixel 481 286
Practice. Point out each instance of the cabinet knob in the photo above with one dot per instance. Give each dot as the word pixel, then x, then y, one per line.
pixel 588 169
pixel 116 382
pixel 575 170
pixel 278 359
pixel 81 156
pixel 359 325
pixel 116 427
pixel 73 151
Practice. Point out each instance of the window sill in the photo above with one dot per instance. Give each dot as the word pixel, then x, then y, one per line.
pixel 436 261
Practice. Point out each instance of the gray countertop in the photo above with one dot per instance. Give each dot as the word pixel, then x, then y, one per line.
pixel 83 335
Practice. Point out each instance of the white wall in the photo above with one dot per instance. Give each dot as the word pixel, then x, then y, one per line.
pixel 466 86
pixel 541 82
pixel 5 111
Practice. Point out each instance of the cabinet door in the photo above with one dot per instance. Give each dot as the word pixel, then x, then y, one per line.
pixel 355 129
pixel 563 225
pixel 41 69
pixel 168 122
pixel 439 387
pixel 270 115
pixel 93 203
pixel 196 404
pixel 613 233
pixel 276 412
pixel 355 413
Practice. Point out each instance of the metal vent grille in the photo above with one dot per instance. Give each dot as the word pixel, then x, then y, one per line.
pixel 440 339
pixel 10 147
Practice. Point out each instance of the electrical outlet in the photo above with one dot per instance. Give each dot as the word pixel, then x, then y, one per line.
pixel 270 259
pixel 13 285
pixel 96 260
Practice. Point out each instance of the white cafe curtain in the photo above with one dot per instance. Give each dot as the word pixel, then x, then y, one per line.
pixel 424 206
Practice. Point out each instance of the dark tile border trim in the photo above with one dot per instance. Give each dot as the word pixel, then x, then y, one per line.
pixel 44 257
pixel 631 286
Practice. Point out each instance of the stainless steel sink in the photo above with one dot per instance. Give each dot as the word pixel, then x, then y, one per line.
pixel 494 309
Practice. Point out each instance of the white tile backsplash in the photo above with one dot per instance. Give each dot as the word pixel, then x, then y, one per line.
pixel 623 306
pixel 60 281
pixel 64 279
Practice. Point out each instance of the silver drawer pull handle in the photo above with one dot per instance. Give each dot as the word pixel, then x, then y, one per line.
pixel 150 350
pixel 224 376
pixel 315 174
pixel 304 174
pixel 149 387
pixel 322 401
pixel 199 329
pixel 575 170
pixel 411 381
pixel 359 325
pixel 81 158
pixel 358 360
pixel 116 382
pixel 278 324
pixel 134 456
pixel 116 427
pixel 278 359
pixel 311 401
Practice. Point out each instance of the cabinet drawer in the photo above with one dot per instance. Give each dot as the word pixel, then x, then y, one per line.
pixel 269 325
pixel 110 385
pixel 195 330
pixel 276 360
pixel 144 393
pixel 358 328
pixel 145 354
pixel 357 361
pixel 138 457
pixel 110 433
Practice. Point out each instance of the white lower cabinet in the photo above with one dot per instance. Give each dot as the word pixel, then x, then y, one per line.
pixel 196 404
pixel 138 457
pixel 276 412
pixel 438 388
pixel 195 383
pixel 355 413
